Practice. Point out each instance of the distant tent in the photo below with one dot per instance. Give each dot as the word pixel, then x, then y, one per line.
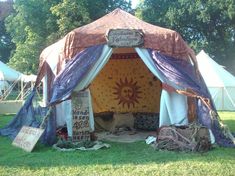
pixel 10 77
pixel 219 81
pixel 3 84
pixel 9 74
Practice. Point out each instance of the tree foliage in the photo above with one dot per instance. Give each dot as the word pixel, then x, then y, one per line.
pixel 208 25
pixel 29 26
pixel 33 25
pixel 82 12
pixel 36 24
pixel 6 7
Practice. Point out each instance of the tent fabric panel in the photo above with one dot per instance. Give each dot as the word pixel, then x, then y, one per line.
pixel 83 83
pixel 69 78
pixel 179 71
pixel 173 109
pixel 98 66
pixel 223 98
pixel 229 98
pixel 217 96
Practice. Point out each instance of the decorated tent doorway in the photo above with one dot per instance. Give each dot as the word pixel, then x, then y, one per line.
pixel 125 84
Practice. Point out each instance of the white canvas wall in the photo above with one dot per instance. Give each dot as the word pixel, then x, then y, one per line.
pixel 219 81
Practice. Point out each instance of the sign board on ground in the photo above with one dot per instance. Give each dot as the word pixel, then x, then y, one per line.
pixel 125 38
pixel 81 127
pixel 27 138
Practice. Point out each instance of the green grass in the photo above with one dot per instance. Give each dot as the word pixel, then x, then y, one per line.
pixel 121 159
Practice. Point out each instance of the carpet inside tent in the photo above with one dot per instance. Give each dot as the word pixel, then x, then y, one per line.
pixel 125 136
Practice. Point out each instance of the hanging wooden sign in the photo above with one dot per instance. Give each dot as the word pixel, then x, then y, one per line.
pixel 81 127
pixel 125 38
pixel 27 138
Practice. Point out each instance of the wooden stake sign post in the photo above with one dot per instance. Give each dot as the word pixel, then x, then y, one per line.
pixel 27 138
pixel 81 127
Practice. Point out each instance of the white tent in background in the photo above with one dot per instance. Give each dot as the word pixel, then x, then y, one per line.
pixel 219 81
pixel 9 75
pixel 3 84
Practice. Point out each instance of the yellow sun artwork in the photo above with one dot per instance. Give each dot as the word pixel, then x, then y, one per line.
pixel 127 92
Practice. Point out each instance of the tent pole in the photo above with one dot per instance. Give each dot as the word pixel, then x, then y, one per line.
pixel 222 97
pixel 45 92
pixel 22 90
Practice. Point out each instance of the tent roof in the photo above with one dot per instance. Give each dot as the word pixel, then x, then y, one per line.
pixel 213 73
pixel 9 74
pixel 161 39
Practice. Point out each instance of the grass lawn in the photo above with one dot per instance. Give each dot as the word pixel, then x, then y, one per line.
pixel 121 159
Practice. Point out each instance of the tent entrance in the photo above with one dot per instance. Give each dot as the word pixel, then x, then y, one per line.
pixel 126 85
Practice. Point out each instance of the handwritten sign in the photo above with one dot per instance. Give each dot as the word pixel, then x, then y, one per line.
pixel 81 127
pixel 125 38
pixel 27 138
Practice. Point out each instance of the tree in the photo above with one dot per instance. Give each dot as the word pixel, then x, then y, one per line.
pixel 6 7
pixel 36 24
pixel 75 13
pixel 29 26
pixel 208 25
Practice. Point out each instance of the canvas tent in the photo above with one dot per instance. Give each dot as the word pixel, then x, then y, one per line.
pixel 9 78
pixel 9 74
pixel 3 84
pixel 219 81
pixel 158 76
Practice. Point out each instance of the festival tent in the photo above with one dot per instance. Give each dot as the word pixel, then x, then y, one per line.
pixel 10 77
pixel 3 84
pixel 219 81
pixel 9 74
pixel 159 75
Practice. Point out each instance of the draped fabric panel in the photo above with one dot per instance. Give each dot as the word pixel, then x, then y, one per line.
pixel 182 73
pixel 75 72
pixel 173 106
pixel 80 81
pixel 28 115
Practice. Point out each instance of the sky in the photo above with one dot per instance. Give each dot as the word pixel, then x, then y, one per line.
pixel 134 3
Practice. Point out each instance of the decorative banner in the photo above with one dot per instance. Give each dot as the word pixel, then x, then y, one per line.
pixel 80 105
pixel 127 92
pixel 27 138
pixel 125 38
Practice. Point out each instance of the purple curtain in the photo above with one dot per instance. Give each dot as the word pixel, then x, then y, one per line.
pixel 74 72
pixel 180 73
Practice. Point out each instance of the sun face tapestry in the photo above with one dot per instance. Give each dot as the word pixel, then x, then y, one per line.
pixel 125 85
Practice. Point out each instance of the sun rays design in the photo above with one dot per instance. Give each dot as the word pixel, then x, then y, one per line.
pixel 127 92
